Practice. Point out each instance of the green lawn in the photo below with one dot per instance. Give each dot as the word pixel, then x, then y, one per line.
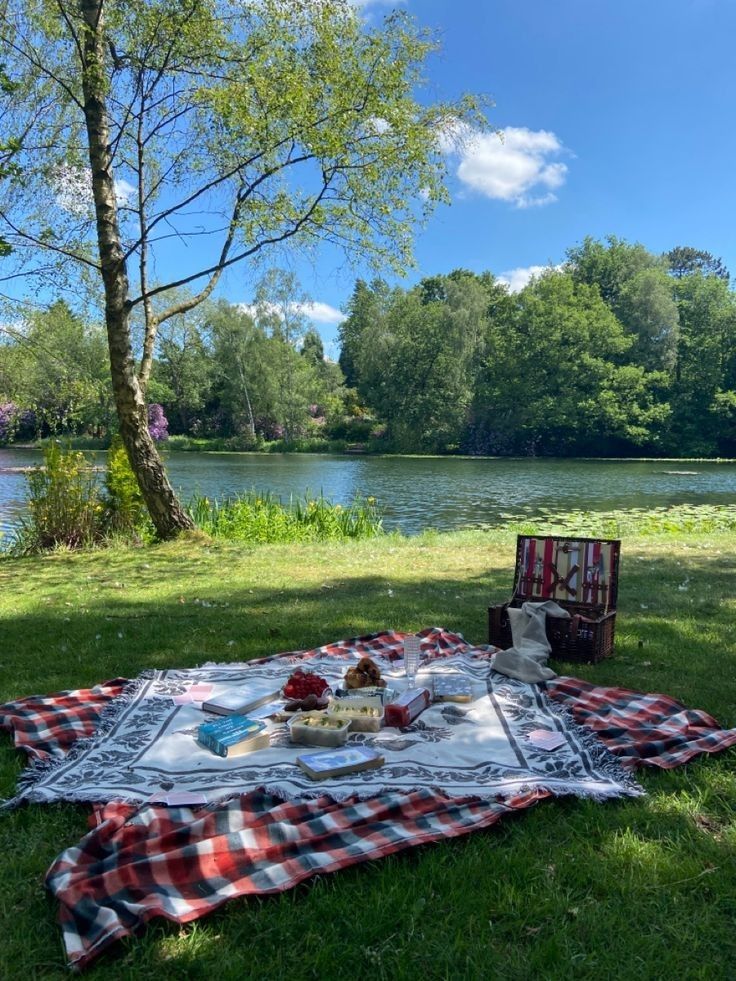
pixel 641 888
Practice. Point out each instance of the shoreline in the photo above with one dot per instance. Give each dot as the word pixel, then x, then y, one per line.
pixel 398 456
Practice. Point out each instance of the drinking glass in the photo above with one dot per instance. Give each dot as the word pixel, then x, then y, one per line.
pixel 412 653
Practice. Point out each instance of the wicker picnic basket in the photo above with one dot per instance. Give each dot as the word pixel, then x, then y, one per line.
pixel 581 575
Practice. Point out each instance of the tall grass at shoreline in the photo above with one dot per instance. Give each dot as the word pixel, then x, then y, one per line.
pixel 262 518
pixel 68 509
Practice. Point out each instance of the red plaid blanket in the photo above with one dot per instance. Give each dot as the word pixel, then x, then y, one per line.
pixel 180 863
pixel 643 730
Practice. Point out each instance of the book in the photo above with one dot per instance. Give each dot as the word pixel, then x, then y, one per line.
pixel 338 762
pixel 240 701
pixel 452 688
pixel 233 736
pixel 546 739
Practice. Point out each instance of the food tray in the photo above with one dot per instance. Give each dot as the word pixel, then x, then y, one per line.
pixel 359 712
pixel 310 735
pixel 385 695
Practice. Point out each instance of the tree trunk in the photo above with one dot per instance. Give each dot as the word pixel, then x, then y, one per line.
pixel 168 516
pixel 251 420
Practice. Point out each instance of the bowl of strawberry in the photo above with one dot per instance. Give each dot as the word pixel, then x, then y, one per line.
pixel 305 691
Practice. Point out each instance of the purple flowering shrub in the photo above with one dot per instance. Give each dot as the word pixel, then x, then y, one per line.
pixel 269 429
pixel 9 413
pixel 158 424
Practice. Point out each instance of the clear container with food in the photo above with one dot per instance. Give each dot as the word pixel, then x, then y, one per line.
pixel 364 714
pixel 319 729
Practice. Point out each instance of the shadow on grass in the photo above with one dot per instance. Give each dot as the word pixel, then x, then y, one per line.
pixel 674 626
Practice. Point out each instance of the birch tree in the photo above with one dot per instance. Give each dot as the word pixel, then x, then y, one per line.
pixel 230 126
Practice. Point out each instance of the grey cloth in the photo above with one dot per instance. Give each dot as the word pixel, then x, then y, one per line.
pixel 527 659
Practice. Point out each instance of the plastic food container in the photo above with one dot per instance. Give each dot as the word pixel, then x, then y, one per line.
pixel 319 729
pixel 385 695
pixel 363 714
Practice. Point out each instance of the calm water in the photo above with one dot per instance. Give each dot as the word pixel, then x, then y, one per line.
pixel 419 493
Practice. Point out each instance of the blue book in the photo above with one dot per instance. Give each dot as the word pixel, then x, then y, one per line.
pixel 233 736
pixel 337 762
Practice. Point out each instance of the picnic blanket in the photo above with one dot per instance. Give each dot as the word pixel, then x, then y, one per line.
pixel 139 862
pixel 145 748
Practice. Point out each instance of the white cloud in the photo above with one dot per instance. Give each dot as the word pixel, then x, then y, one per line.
pixel 320 313
pixel 315 310
pixel 376 126
pixel 517 279
pixel 517 164
pixel 124 192
pixel 72 188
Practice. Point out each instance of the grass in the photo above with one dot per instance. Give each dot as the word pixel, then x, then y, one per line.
pixel 257 518
pixel 570 889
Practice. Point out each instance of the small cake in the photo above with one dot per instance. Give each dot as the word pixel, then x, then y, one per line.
pixel 366 674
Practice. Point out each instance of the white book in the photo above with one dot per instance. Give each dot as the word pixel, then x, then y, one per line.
pixel 240 701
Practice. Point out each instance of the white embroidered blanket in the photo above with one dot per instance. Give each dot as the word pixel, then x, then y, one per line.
pixel 146 748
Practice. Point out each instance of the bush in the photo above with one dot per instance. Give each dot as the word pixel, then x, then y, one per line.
pixel 78 442
pixel 262 518
pixel 352 429
pixel 9 413
pixel 158 424
pixel 241 443
pixel 300 444
pixel 64 507
pixel 125 509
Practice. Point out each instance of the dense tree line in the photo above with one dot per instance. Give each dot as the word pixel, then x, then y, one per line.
pixel 617 352
pixel 221 371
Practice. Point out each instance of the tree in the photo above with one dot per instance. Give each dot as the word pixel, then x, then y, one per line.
pixel 280 313
pixel 647 308
pixel 685 260
pixel 609 265
pixel 634 284
pixel 54 363
pixel 239 368
pixel 8 148
pixel 367 306
pixel 417 364
pixel 238 127
pixel 183 368
pixel 550 383
pixel 706 360
pixel 312 348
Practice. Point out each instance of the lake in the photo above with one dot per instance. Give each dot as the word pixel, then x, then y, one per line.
pixel 422 492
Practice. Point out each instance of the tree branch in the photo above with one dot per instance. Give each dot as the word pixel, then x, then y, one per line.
pixel 46 245
pixel 194 301
pixel 33 60
pixel 219 267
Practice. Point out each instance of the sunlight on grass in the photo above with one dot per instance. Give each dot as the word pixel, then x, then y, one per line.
pixel 561 884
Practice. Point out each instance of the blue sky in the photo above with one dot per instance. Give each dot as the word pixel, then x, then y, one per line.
pixel 619 119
